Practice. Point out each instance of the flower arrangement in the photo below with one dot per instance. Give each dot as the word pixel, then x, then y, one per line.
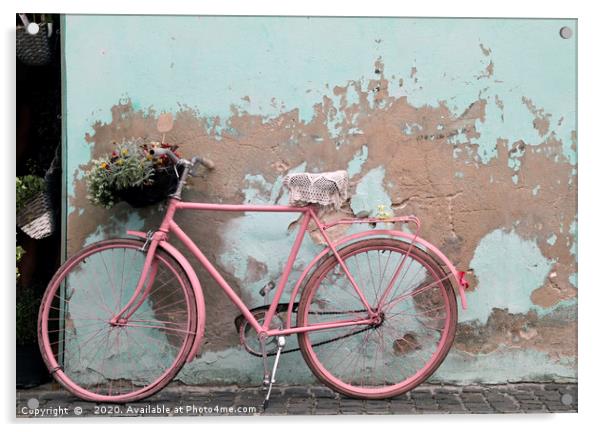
pixel 131 173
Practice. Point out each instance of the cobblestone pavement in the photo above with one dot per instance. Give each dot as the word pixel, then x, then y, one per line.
pixel 179 400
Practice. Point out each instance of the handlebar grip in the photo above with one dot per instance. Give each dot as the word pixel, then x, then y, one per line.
pixel 207 163
pixel 163 151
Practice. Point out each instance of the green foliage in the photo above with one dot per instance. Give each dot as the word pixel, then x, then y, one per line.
pixel 127 166
pixel 27 188
pixel 20 253
pixel 27 311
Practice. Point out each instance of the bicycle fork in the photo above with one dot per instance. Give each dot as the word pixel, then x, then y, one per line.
pixel 270 378
pixel 145 281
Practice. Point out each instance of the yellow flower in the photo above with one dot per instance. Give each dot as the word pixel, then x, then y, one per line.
pixel 120 162
pixel 103 165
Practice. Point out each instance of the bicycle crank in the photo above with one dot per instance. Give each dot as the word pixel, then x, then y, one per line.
pixel 269 347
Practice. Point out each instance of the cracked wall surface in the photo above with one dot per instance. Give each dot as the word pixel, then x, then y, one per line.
pixel 468 124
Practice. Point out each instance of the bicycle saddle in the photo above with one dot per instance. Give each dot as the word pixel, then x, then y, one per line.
pixel 327 188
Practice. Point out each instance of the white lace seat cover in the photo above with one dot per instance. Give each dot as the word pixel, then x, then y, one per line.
pixel 326 189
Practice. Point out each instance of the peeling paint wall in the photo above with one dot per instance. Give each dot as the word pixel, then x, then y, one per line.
pixel 470 124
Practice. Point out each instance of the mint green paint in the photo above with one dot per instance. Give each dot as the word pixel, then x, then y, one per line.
pixel 573 233
pixel 535 191
pixel 370 193
pixel 509 268
pixel 514 160
pixel 573 279
pixel 355 165
pixel 568 307
pixel 133 222
pixel 411 128
pixel 263 236
pixel 256 186
pixel 551 240
pixel 506 364
pixel 235 365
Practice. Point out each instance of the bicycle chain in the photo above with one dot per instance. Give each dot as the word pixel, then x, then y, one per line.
pixel 323 342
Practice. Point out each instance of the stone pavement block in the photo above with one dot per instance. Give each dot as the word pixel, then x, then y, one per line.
pixel 446 390
pixel 472 397
pixel 300 405
pixel 471 389
pixel 549 396
pixel 402 407
pixel 524 396
pixel 560 407
pixel 196 399
pixel 533 407
pixel 453 409
pixel 351 406
pixel 447 398
pixel 351 410
pixel 530 386
pixel 275 408
pixel 323 392
pixel 251 399
pixel 377 406
pixel 421 394
pixel 558 386
pixel 504 407
pixel 478 408
pixel 326 406
pixel 482 409
pixel 296 391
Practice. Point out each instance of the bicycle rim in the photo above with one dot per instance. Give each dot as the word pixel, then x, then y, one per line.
pixel 103 362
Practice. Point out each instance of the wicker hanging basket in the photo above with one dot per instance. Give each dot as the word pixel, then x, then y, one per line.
pixel 36 219
pixel 34 50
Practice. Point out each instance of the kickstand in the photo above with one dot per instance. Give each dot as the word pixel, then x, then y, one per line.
pixel 272 379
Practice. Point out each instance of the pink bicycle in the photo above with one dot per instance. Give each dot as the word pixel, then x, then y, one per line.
pixel 376 315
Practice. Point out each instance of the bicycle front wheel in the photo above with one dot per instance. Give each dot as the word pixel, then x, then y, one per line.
pixel 413 332
pixel 106 362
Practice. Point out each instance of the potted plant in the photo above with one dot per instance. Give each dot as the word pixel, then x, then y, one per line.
pixel 35 215
pixel 131 173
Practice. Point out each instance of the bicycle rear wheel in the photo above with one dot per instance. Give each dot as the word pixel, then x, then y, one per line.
pixel 415 327
pixel 105 362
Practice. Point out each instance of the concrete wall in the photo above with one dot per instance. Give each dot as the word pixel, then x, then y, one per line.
pixel 468 124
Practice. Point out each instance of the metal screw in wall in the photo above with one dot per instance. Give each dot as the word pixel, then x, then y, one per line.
pixel 566 32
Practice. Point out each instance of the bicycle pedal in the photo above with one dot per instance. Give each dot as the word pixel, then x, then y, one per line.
pixel 267 288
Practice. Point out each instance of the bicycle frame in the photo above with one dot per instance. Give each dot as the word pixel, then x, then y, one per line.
pixel 169 226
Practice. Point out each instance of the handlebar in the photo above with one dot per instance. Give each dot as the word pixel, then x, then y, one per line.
pixel 206 162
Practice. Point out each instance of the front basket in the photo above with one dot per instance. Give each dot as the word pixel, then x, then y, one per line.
pixel 165 182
